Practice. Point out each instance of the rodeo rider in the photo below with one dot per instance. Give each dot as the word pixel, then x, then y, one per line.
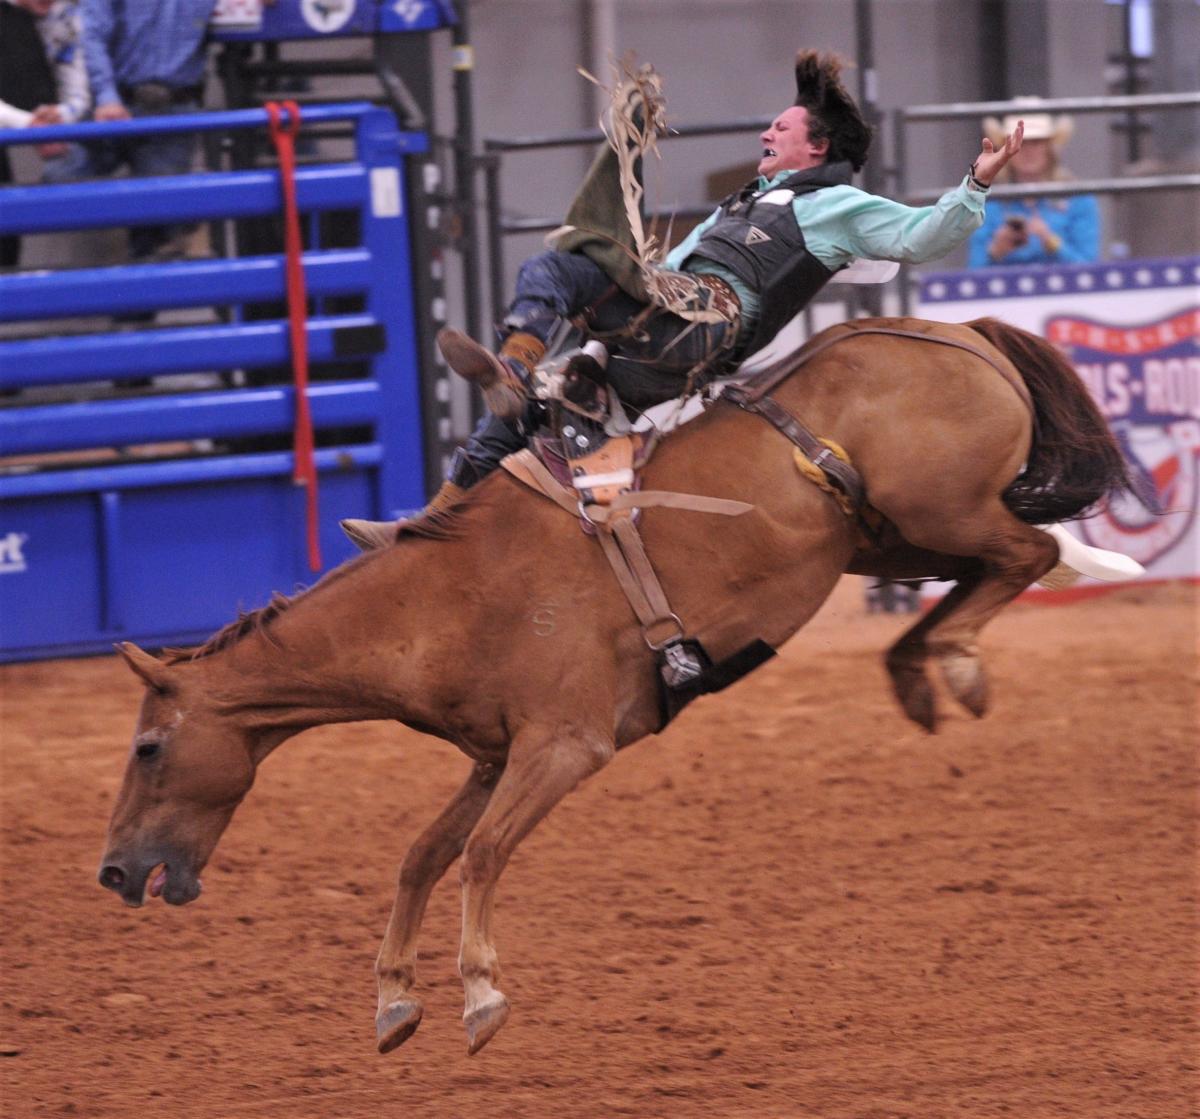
pixel 757 261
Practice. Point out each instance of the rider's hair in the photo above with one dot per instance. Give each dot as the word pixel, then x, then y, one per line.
pixel 832 112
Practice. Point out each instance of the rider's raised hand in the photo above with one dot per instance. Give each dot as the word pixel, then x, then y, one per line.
pixel 992 159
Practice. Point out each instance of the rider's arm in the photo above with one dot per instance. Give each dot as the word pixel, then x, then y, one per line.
pixel 979 248
pixel 841 223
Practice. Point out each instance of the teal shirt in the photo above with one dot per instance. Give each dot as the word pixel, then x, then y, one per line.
pixel 842 223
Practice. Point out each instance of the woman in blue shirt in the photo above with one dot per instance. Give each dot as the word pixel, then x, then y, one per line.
pixel 1037 230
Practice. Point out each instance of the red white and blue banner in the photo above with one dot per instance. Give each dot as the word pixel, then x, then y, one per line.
pixel 1132 330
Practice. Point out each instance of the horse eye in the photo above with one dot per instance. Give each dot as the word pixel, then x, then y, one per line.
pixel 147 750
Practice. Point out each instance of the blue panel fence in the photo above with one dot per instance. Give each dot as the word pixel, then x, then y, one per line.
pixel 151 513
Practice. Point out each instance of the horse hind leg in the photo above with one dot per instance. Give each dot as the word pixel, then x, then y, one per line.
pixel 399 1012
pixel 906 660
pixel 542 768
pixel 1014 555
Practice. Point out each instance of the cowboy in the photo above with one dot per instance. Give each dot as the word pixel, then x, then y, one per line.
pixel 1037 230
pixel 725 292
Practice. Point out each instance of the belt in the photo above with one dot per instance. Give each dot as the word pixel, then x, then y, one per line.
pixel 718 284
pixel 721 295
pixel 159 93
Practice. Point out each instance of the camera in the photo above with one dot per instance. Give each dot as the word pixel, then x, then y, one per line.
pixel 1015 223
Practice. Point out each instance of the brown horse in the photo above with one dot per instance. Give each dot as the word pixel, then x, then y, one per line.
pixel 504 632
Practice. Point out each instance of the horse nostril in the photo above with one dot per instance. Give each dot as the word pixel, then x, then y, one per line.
pixel 112 878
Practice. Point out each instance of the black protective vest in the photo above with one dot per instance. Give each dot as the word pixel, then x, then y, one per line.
pixel 763 246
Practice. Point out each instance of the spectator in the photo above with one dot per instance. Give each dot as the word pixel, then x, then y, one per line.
pixel 143 59
pixel 42 78
pixel 1033 230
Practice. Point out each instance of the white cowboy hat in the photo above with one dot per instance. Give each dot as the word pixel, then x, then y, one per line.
pixel 1038 125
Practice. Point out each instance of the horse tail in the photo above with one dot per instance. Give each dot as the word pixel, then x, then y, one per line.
pixel 1074 460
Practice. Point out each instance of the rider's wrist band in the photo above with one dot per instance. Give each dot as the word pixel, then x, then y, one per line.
pixel 974 181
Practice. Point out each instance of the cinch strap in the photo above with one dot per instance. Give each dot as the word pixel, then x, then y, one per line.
pixel 621 541
pixel 304 469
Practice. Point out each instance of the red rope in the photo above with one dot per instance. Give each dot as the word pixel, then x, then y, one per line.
pixel 304 470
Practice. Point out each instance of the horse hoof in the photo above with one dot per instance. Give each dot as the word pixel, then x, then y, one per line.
pixel 967 682
pixel 920 706
pixel 396 1023
pixel 915 694
pixel 483 1023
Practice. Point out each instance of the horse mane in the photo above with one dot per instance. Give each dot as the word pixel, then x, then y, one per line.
pixel 253 621
pixel 445 524
pixel 256 621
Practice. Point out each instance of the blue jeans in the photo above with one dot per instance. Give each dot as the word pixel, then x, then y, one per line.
pixel 145 156
pixel 646 369
pixel 492 440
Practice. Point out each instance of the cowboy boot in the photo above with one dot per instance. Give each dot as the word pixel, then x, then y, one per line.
pixel 367 535
pixel 501 376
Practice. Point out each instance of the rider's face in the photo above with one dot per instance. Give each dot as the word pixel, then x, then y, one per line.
pixel 786 145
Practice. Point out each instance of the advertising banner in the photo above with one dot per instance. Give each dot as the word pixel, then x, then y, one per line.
pixel 1132 331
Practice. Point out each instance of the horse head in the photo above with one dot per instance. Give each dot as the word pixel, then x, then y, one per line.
pixel 188 769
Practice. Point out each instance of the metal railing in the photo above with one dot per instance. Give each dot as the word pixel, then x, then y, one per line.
pixel 110 491
pixel 903 118
pixel 225 120
pixel 932 114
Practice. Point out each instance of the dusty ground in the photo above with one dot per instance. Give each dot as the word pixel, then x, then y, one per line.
pixel 791 904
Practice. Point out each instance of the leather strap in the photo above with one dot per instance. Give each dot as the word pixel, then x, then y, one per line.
pixel 622 543
pixel 627 557
pixel 762 382
pixel 526 467
pixel 664 499
pixel 842 474
pixel 599 476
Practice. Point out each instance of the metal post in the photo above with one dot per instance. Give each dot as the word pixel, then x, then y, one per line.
pixel 495 217
pixel 1133 144
pixel 900 188
pixel 867 300
pixel 868 86
pixel 464 166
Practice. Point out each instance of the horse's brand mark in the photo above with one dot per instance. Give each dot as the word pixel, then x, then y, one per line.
pixel 12 553
pixel 544 623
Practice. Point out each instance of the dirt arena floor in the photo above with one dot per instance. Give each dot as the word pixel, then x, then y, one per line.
pixel 793 903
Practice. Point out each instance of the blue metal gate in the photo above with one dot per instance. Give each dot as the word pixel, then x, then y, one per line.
pixel 162 551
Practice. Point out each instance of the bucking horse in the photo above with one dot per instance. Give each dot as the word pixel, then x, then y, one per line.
pixel 500 627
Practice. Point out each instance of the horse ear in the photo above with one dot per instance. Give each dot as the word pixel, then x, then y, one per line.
pixel 147 666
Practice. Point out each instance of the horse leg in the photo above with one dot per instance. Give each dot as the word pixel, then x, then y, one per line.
pixel 436 848
pixel 1014 556
pixel 542 768
pixel 906 658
